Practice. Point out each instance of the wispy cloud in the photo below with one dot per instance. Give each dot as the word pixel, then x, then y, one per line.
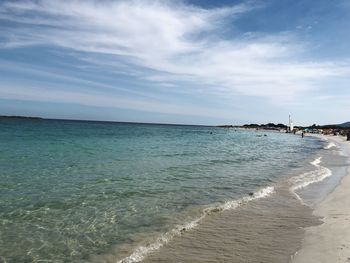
pixel 174 42
pixel 99 99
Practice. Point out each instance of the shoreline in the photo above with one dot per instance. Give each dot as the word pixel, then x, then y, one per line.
pixel 329 241
pixel 244 234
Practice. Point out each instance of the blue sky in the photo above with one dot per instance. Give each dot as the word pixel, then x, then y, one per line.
pixel 192 62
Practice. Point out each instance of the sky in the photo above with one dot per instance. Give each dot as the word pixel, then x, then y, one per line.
pixel 192 62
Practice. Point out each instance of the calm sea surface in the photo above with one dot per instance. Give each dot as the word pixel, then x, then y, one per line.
pixel 71 189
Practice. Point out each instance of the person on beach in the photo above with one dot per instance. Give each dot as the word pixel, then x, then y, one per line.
pixel 302 134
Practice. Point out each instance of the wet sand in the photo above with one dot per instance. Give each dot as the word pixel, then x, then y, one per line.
pixel 330 241
pixel 270 229
pixel 265 230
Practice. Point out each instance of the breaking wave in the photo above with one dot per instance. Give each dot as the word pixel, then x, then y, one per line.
pixel 330 145
pixel 142 251
pixel 305 179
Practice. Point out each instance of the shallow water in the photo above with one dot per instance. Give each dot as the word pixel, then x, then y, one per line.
pixel 71 191
pixel 335 158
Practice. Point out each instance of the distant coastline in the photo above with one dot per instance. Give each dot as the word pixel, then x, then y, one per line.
pixel 19 117
pixel 269 126
pixel 334 129
pixel 330 128
pixel 14 117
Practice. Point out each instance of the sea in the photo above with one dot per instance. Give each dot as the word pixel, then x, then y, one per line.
pixel 84 191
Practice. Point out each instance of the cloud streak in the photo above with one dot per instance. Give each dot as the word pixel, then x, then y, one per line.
pixel 98 99
pixel 174 43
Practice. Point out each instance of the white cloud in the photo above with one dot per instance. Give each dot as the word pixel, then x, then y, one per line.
pixel 177 42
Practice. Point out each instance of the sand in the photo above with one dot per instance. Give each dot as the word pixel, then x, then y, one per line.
pixel 267 230
pixel 330 241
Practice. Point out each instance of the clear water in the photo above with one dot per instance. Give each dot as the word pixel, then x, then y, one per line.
pixel 71 189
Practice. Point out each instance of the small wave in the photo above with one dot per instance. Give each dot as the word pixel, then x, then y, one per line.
pixel 305 179
pixel 233 204
pixel 330 145
pixel 142 251
pixel 316 162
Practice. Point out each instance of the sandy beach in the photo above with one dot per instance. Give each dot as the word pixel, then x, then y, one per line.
pixel 330 241
pixel 318 231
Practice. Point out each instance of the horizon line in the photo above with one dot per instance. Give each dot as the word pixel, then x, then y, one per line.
pixel 150 123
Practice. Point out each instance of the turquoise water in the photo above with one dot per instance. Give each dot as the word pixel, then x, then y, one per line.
pixel 71 189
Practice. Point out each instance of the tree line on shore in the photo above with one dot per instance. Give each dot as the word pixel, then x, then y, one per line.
pixel 279 126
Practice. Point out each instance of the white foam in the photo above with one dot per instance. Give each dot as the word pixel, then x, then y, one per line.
pixel 233 204
pixel 315 176
pixel 264 192
pixel 316 162
pixel 142 251
pixel 330 145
